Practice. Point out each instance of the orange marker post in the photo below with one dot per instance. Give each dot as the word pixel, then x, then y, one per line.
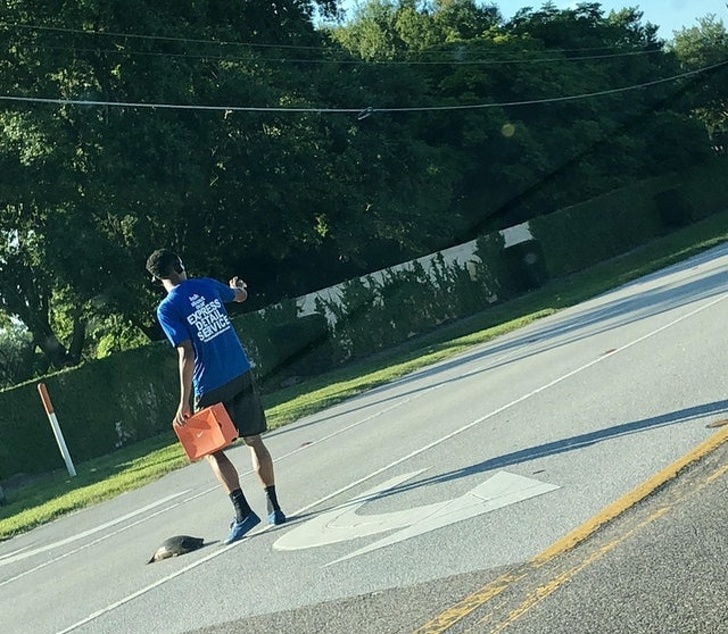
pixel 56 428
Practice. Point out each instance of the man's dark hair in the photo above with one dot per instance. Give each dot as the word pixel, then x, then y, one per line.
pixel 162 262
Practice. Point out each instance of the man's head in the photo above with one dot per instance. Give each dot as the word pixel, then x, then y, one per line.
pixel 164 264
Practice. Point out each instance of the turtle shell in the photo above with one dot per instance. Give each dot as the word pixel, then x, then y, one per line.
pixel 177 545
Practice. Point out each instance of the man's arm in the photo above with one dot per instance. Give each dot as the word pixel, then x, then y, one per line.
pixel 241 294
pixel 186 366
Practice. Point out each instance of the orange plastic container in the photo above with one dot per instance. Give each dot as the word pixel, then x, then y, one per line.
pixel 206 432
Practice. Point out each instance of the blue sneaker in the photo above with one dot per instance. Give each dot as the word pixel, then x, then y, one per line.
pixel 239 529
pixel 276 517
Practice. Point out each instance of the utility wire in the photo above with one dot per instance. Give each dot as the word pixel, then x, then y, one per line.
pixel 220 43
pixel 589 95
pixel 356 62
pixel 361 112
pixel 161 38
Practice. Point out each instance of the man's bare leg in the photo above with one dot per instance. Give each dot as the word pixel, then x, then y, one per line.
pixel 261 459
pixel 225 471
pixel 263 466
pixel 227 476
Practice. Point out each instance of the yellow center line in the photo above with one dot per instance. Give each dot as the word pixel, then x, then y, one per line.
pixel 460 610
pixel 630 499
pixel 470 603
pixel 718 473
pixel 554 584
pixel 548 588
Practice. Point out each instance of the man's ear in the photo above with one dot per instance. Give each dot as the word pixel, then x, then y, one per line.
pixel 179 267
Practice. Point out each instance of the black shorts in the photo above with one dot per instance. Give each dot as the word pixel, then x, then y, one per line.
pixel 242 402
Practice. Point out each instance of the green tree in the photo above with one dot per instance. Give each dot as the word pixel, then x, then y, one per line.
pixel 518 161
pixel 701 46
pixel 90 190
pixel 18 361
pixel 96 178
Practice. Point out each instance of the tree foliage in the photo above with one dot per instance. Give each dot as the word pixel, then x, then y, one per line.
pixel 700 46
pixel 207 127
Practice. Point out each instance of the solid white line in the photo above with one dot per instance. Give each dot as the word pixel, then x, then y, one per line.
pixel 146 589
pixel 91 543
pixel 215 487
pixel 14 552
pixel 397 462
pixel 398 404
pixel 29 553
pixel 513 403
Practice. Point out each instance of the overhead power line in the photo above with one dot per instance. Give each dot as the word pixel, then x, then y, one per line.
pixel 356 62
pixel 252 45
pixel 361 112
pixel 159 38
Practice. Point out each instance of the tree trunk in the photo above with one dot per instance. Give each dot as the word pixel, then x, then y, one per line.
pixel 52 348
pixel 77 341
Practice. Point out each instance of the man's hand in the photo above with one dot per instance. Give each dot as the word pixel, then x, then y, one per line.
pixel 183 413
pixel 240 287
pixel 236 282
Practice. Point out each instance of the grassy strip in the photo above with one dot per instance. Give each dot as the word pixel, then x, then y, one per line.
pixel 134 466
pixel 57 494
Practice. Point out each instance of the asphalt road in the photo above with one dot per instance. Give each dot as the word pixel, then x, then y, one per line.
pixel 659 568
pixel 444 501
pixel 653 562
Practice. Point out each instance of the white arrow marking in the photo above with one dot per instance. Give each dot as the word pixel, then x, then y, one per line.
pixel 343 523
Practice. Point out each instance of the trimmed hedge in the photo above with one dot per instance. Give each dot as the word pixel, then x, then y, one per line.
pixel 302 347
pixel 373 314
pixel 100 406
pixel 525 264
pixel 582 235
pixel 130 396
pixel 107 403
pixel 706 187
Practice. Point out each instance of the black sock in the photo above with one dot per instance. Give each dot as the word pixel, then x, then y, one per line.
pixel 270 493
pixel 242 508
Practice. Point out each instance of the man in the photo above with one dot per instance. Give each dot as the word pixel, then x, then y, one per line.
pixel 212 362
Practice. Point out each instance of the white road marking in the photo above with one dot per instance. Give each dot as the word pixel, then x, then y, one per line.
pixel 151 586
pixel 24 554
pixel 14 552
pixel 412 454
pixel 89 544
pixel 422 392
pixel 511 404
pixel 343 523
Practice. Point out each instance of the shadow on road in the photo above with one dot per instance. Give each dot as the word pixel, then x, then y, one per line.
pixel 597 317
pixel 568 444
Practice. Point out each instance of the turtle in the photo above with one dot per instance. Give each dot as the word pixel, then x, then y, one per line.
pixel 177 545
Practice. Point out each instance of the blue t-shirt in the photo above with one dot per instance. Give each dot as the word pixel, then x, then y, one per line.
pixel 195 310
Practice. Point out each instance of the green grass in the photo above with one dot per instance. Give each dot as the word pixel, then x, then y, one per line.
pixel 56 494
